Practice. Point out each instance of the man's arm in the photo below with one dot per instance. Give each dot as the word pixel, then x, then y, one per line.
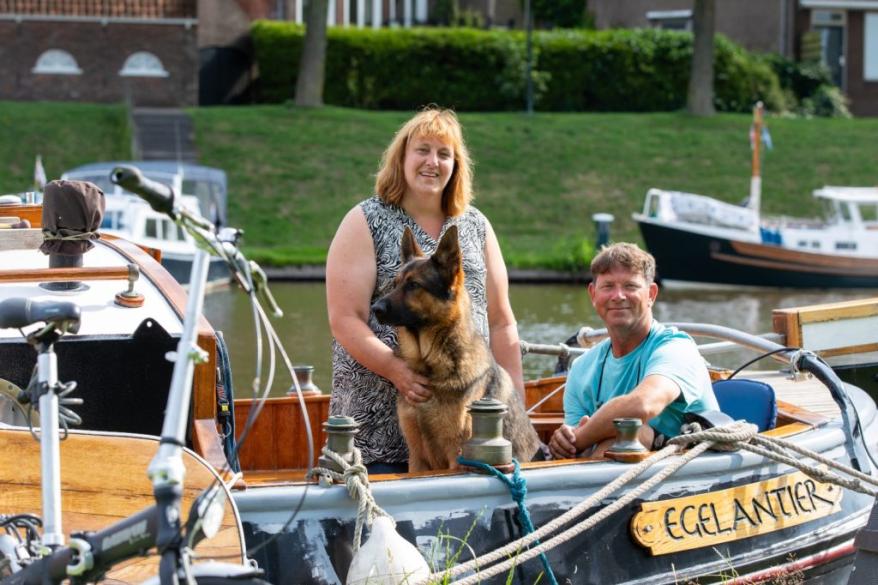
pixel 646 401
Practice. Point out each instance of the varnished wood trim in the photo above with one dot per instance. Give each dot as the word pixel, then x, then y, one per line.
pixel 104 479
pixel 811 260
pixel 32 213
pixel 64 274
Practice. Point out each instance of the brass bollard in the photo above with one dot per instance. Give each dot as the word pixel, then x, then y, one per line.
pixel 627 448
pixel 487 443
pixel 340 431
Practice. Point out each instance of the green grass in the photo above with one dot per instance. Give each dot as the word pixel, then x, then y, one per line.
pixel 66 135
pixel 293 173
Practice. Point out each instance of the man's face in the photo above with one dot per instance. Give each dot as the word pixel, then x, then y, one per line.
pixel 623 299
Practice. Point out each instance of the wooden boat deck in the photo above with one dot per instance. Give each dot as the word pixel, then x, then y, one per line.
pixel 808 394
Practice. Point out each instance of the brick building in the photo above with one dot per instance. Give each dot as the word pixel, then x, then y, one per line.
pixel 145 51
pixel 845 31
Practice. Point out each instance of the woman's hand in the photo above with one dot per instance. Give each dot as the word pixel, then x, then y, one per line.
pixel 413 387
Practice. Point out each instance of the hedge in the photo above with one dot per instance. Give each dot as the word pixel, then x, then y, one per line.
pixel 477 70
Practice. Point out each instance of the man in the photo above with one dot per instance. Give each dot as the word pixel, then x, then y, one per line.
pixel 644 370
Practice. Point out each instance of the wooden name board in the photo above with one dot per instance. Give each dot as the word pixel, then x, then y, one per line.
pixel 740 512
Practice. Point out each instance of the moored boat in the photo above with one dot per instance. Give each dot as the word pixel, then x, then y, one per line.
pixel 699 239
pixel 202 190
pixel 723 512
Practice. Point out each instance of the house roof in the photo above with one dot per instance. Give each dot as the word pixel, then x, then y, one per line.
pixel 146 9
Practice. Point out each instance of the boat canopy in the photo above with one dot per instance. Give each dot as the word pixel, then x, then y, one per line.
pixel 848 194
pixel 207 184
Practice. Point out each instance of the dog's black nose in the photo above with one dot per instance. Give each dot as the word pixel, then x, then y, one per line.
pixel 380 309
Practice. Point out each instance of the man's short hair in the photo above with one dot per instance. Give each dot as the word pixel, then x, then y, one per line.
pixel 624 255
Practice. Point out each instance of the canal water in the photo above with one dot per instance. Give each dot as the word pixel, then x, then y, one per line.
pixel 545 314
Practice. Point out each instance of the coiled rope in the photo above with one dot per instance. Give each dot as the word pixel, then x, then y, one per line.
pixel 356 479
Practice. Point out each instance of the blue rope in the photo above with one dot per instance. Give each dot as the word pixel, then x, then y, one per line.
pixel 518 490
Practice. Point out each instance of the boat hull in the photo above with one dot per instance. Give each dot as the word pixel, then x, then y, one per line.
pixel 693 257
pixel 315 548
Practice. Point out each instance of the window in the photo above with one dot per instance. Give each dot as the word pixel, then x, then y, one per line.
pixel 670 19
pixel 143 64
pixel 845 245
pixel 151 229
pixel 56 62
pixel 870 47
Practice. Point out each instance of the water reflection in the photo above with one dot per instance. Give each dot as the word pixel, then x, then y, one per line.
pixel 545 313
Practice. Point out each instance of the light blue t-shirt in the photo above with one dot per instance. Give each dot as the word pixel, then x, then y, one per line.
pixel 597 376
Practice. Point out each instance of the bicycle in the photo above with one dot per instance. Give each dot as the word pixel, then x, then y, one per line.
pixel 39 559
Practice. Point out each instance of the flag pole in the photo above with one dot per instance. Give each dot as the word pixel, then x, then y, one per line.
pixel 756 174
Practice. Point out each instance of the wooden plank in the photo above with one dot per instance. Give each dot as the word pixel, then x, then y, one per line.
pixel 64 274
pixel 26 239
pixel 103 480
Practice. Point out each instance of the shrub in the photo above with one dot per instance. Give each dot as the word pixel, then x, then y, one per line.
pixel 809 87
pixel 469 69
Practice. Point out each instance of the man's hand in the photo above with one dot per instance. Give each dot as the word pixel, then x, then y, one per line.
pixel 563 441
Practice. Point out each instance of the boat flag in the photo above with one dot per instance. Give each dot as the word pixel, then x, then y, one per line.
pixel 765 138
pixel 39 174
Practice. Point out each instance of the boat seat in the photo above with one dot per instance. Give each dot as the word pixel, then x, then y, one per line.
pixel 748 400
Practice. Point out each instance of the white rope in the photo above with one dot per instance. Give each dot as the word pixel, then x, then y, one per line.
pixel 734 432
pixel 355 476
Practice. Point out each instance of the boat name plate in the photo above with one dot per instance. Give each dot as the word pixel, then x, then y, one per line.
pixel 678 524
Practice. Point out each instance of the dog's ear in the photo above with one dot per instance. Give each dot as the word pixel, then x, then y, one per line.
pixel 409 247
pixel 447 255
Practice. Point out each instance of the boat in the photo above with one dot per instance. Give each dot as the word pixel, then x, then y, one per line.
pixel 203 191
pixel 698 239
pixel 301 531
pixel 132 311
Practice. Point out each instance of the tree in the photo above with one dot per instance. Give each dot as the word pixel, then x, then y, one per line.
pixel 700 98
pixel 309 84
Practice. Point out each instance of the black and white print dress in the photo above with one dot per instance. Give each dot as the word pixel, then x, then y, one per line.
pixel 358 392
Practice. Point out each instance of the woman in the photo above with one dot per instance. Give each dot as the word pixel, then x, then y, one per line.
pixel 425 183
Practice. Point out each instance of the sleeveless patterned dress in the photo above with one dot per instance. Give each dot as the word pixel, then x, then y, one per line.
pixel 358 392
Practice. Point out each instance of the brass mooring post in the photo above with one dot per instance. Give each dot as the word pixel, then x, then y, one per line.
pixel 627 448
pixel 487 444
pixel 340 431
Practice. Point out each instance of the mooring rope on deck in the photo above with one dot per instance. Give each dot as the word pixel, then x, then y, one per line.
pixel 729 437
pixel 356 479
pixel 737 435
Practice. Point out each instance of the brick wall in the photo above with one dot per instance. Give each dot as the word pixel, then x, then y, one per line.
pixel 100 51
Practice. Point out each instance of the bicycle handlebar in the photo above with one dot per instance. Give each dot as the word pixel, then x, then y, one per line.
pixel 17 313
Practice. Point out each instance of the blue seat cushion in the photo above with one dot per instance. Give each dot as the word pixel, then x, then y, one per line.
pixel 748 400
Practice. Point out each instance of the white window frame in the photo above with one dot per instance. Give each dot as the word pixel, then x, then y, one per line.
pixel 870 46
pixel 143 64
pixel 657 18
pixel 56 62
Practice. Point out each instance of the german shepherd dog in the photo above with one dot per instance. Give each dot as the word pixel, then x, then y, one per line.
pixel 430 308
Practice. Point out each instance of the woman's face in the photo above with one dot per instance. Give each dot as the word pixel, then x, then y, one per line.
pixel 428 165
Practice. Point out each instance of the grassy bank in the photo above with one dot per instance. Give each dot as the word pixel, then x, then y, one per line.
pixel 294 173
pixel 66 135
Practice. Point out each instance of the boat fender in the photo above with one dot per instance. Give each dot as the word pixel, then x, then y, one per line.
pixel 386 558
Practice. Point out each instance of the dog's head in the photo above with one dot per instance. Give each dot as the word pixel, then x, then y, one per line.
pixel 427 289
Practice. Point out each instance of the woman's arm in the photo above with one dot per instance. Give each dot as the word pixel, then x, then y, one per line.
pixel 504 331
pixel 351 274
